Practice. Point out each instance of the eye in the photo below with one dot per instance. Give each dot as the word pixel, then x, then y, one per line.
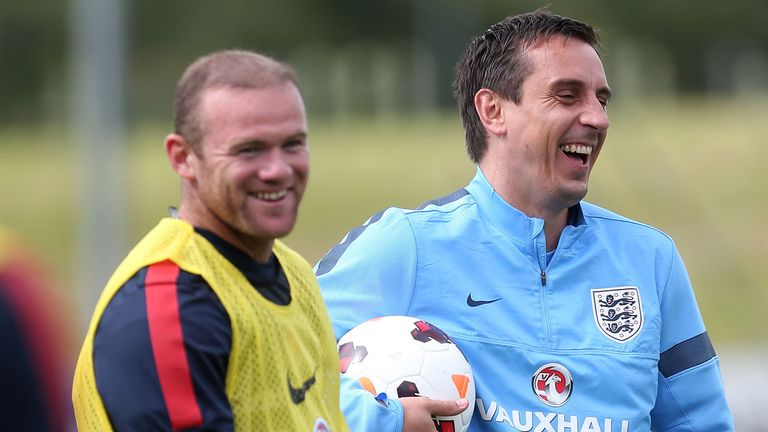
pixel 249 150
pixel 294 145
pixel 567 97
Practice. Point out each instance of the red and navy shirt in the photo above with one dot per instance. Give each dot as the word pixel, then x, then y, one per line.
pixel 129 360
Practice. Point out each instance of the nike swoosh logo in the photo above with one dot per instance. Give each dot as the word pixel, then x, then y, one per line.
pixel 299 394
pixel 475 303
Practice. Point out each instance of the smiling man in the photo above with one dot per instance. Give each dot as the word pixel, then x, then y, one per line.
pixel 210 323
pixel 572 317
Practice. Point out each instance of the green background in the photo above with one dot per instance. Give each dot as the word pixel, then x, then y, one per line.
pixel 686 151
pixel 693 168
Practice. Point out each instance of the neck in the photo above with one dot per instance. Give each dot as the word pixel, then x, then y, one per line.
pixel 257 249
pixel 554 214
pixel 553 228
pixel 555 219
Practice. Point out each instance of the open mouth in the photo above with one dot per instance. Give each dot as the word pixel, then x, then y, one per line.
pixel 577 151
pixel 271 196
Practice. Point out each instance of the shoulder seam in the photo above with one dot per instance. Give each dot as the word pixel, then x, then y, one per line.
pixel 621 219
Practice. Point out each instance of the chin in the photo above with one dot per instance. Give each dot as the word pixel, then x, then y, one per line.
pixel 274 232
pixel 572 197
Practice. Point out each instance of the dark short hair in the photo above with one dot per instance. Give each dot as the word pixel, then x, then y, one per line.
pixel 229 68
pixel 495 60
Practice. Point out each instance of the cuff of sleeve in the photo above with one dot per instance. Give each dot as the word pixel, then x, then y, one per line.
pixel 396 407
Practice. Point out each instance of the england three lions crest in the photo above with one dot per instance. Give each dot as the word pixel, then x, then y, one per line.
pixel 618 312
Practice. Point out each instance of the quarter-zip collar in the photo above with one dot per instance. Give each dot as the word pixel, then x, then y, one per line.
pixel 513 223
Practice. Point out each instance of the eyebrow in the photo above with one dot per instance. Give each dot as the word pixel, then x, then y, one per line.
pixel 567 82
pixel 301 135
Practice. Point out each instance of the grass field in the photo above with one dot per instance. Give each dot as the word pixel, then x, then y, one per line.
pixel 694 169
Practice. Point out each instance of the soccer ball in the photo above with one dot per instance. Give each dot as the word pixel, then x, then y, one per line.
pixel 403 356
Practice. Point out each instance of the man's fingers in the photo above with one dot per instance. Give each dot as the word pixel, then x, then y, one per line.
pixel 418 412
pixel 447 407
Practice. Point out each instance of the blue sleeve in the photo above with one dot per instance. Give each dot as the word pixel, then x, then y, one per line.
pixel 124 365
pixel 370 273
pixel 359 280
pixel 690 395
pixel 364 413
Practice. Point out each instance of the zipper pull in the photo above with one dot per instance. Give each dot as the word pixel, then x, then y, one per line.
pixel 543 278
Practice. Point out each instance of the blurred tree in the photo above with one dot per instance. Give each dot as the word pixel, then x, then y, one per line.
pixel 168 36
pixel 32 47
pixel 694 34
pixel 709 44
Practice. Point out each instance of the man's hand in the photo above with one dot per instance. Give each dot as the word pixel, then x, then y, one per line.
pixel 418 412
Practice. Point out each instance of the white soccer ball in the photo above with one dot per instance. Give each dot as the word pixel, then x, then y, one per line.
pixel 404 356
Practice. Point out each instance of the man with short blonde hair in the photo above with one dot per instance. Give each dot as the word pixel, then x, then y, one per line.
pixel 210 323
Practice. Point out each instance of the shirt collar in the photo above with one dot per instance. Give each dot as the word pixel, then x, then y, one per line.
pixel 511 221
pixel 257 273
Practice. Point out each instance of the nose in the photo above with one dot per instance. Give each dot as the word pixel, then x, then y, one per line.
pixel 595 115
pixel 275 166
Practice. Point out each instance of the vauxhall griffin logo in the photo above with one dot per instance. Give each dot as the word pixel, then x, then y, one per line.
pixel 618 312
pixel 552 384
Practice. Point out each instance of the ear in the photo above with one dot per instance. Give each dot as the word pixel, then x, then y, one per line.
pixel 181 156
pixel 488 106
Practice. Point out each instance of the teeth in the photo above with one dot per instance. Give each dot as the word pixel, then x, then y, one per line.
pixel 576 148
pixel 271 196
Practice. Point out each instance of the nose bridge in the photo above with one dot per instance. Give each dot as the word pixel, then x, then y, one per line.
pixel 275 164
pixel 595 115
